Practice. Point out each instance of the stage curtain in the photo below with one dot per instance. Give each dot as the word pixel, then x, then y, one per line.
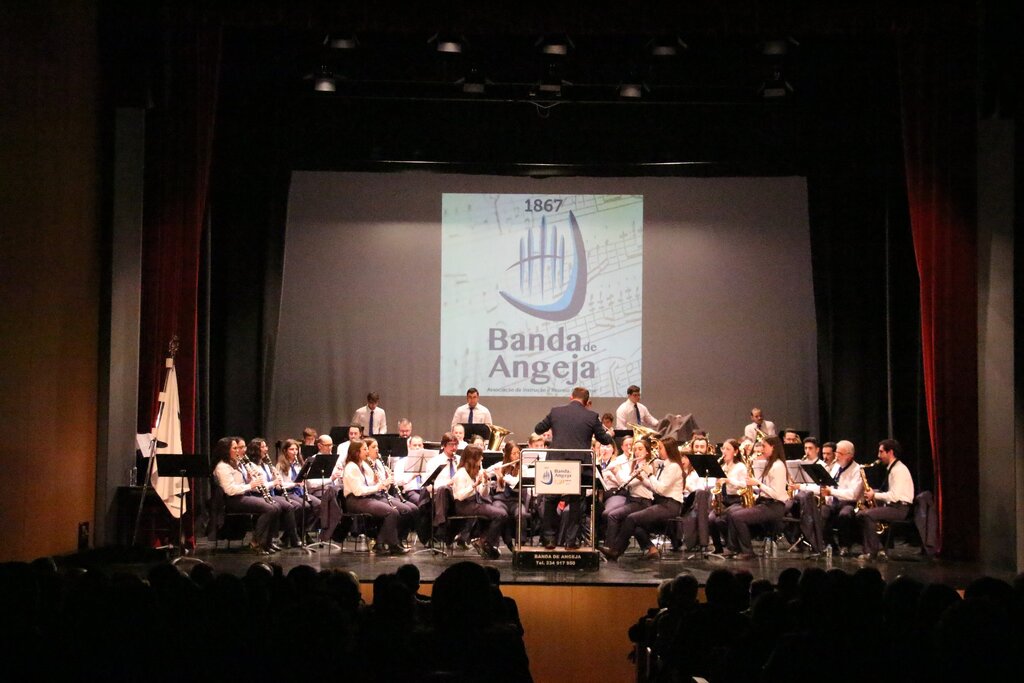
pixel 178 154
pixel 939 132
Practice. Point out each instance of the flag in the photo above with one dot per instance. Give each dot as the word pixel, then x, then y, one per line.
pixel 167 431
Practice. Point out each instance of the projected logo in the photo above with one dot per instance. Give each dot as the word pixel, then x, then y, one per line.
pixel 547 289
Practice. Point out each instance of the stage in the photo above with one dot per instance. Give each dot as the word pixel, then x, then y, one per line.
pixel 630 570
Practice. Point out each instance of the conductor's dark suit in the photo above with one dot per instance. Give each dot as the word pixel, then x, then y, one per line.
pixel 572 426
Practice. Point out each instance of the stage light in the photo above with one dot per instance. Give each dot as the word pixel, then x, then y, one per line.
pixel 324 81
pixel 341 41
pixel 447 43
pixel 555 45
pixel 666 47
pixel 631 90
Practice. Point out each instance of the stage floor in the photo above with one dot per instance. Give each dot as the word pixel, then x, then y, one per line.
pixel 630 570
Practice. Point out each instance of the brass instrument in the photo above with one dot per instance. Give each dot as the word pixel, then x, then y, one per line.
pixel 255 475
pixel 498 435
pixel 866 503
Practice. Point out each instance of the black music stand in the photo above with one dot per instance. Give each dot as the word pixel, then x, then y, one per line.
pixel 192 466
pixel 392 445
pixel 481 429
pixel 308 451
pixel 793 451
pixel 819 475
pixel 319 466
pixel 430 548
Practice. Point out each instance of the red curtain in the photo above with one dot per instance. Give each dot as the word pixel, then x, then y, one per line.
pixel 939 131
pixel 179 142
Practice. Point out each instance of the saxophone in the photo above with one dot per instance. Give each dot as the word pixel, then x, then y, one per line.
pixel 747 493
pixel 254 474
pixel 866 503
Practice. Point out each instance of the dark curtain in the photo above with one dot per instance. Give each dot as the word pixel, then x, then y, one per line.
pixel 178 151
pixel 939 128
pixel 865 282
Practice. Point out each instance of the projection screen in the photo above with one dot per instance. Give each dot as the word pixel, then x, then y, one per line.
pixel 420 285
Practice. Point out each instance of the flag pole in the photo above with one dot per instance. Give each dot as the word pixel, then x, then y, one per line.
pixel 172 350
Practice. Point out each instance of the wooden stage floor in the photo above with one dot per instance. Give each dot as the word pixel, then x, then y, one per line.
pixel 630 570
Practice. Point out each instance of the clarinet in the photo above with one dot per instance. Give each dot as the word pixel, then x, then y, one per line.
pixel 253 474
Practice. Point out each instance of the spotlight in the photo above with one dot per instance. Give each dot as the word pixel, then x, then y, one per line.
pixel 556 45
pixel 341 41
pixel 447 43
pixel 324 81
pixel 631 90
pixel 666 47
pixel 473 83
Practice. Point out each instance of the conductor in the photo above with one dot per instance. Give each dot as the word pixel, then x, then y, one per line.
pixel 572 426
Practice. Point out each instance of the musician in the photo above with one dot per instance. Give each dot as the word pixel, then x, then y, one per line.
pixel 309 437
pixel 806 497
pixel 472 411
pixel 440 492
pixel 355 432
pixel 841 500
pixel 790 435
pixel 471 491
pixel 460 437
pixel 241 493
pixel 696 498
pixel 287 469
pixel 405 428
pixel 411 482
pixel 258 453
pixel 371 417
pixel 730 487
pixel 625 494
pixel 767 427
pixel 608 420
pixel 408 512
pixel 891 503
pixel 769 506
pixel 828 454
pixel 327 490
pixel 632 411
pixel 572 427
pixel 507 493
pixel 364 493
pixel 667 483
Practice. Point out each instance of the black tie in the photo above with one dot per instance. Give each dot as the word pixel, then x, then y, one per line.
pixel 371 423
pixel 471 420
pixel 636 407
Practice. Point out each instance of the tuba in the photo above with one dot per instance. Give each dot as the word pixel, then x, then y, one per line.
pixel 498 435
pixel 641 432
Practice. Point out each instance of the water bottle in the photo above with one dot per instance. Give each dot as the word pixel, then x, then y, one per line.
pixel 766 549
pixel 775 548
pixel 133 476
pixel 828 552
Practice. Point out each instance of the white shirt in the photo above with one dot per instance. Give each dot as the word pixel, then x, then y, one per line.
pixel 668 481
pixel 636 488
pixel 767 426
pixel 410 481
pixel 359 481
pixel 736 478
pixel 464 487
pixel 610 473
pixel 445 475
pixel 851 484
pixel 901 485
pixel 773 482
pixel 480 415
pixel 625 414
pixel 380 420
pixel 230 479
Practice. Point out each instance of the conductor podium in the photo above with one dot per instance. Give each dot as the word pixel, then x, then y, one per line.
pixel 559 474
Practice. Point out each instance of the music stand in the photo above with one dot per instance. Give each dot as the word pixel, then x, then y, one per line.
pixel 308 451
pixel 481 429
pixel 793 451
pixel 491 458
pixel 819 475
pixel 430 548
pixel 391 445
pixel 319 466
pixel 193 466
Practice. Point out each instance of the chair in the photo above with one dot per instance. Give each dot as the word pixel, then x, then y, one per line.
pixel 223 523
pixel 463 519
pixel 889 537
